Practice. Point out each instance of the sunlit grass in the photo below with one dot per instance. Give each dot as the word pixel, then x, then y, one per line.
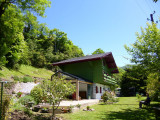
pixel 126 109
pixel 25 70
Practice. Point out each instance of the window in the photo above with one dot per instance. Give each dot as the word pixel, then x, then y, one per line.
pixel 96 89
pixel 100 90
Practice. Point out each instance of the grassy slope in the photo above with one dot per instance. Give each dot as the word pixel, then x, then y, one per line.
pixel 125 109
pixel 25 70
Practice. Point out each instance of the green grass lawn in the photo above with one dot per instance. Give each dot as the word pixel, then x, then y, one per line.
pixel 25 70
pixel 126 109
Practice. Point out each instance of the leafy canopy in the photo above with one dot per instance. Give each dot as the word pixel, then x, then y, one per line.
pixel 98 51
pixel 146 49
pixel 56 90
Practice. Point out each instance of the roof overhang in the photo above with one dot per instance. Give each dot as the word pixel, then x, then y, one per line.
pixel 82 80
pixel 108 57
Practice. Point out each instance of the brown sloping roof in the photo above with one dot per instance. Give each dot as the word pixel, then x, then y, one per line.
pixel 106 56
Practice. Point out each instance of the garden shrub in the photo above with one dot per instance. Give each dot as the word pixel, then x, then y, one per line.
pixel 27 79
pixel 108 97
pixel 24 100
pixel 16 78
pixel 28 112
pixel 15 105
pixel 5 107
pixel 37 93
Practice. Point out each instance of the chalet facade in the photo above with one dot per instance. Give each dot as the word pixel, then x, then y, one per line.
pixel 91 74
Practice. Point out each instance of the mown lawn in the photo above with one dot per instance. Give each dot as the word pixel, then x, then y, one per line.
pixel 125 109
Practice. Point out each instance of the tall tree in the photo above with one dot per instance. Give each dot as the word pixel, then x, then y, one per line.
pixel 134 80
pixel 12 22
pixel 36 6
pixel 98 51
pixel 146 50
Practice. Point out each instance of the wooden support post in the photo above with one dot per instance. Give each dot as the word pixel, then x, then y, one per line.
pixel 1 101
pixel 77 90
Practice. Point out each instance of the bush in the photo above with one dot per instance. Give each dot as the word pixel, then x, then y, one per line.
pixel 108 97
pixel 16 78
pixel 37 93
pixel 27 79
pixel 28 112
pixel 15 105
pixel 4 108
pixel 24 100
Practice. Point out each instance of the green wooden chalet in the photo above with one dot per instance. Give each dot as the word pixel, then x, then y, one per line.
pixel 92 74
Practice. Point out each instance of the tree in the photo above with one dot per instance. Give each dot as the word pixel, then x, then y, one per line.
pixel 11 37
pixel 119 75
pixel 98 51
pixel 37 6
pixel 153 86
pixel 146 50
pixel 56 90
pixel 133 80
pixel 155 1
pixel 13 19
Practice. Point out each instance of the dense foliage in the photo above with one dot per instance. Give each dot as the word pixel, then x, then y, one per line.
pixel 24 100
pixel 118 76
pixel 108 97
pixel 153 86
pixel 146 49
pixel 25 41
pixel 98 51
pixel 146 53
pixel 56 90
pixel 133 80
pixel 37 93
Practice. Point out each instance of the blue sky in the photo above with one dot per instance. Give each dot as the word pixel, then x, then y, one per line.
pixel 105 24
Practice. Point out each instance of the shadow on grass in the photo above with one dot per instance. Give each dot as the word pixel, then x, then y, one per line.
pixel 146 113
pixel 116 104
pixel 128 114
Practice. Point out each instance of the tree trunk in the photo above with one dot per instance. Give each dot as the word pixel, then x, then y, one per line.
pixel 53 113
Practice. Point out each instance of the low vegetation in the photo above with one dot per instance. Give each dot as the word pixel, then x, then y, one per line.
pixel 24 70
pixel 126 109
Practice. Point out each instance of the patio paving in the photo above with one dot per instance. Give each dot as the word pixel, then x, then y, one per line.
pixel 85 102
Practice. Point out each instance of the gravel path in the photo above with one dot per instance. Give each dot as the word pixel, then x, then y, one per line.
pixel 25 87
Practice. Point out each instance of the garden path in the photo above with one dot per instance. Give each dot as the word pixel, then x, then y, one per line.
pixel 24 87
pixel 84 102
